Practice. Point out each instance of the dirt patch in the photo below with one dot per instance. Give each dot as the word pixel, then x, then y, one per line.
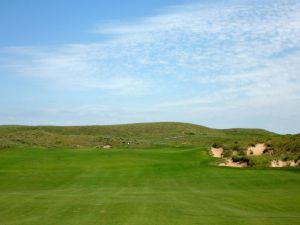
pixel 230 163
pixel 281 163
pixel 107 146
pixel 216 152
pixel 258 149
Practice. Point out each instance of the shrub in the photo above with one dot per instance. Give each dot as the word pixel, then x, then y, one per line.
pixel 216 145
pixel 242 153
pixel 189 133
pixel 288 158
pixel 237 148
pixel 258 161
pixel 240 159
pixel 266 150
pixel 227 152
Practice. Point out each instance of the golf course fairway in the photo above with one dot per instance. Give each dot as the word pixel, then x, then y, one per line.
pixel 170 186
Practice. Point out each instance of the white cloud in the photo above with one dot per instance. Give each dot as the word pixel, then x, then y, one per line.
pixel 224 53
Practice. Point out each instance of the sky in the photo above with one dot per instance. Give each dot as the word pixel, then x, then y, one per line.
pixel 221 63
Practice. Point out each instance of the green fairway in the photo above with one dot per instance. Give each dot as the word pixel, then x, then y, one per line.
pixel 141 187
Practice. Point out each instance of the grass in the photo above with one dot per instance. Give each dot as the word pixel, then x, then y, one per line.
pixel 142 135
pixel 162 186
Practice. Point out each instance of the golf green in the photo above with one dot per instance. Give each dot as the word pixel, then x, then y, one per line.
pixel 175 186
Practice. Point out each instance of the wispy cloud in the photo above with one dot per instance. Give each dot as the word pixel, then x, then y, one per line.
pixel 226 52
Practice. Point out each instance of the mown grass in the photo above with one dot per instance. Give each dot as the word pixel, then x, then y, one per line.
pixel 176 186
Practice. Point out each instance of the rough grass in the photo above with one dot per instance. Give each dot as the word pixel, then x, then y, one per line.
pixel 141 135
pixel 176 186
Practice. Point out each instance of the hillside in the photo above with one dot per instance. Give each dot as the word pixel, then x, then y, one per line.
pixel 64 175
pixel 128 135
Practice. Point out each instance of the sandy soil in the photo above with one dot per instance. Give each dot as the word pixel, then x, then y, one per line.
pixel 230 163
pixel 258 149
pixel 107 146
pixel 280 163
pixel 216 152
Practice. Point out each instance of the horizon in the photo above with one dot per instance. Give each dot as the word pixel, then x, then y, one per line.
pixel 222 64
pixel 155 122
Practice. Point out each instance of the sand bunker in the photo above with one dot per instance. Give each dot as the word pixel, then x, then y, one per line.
pixel 258 149
pixel 230 163
pixel 281 163
pixel 216 152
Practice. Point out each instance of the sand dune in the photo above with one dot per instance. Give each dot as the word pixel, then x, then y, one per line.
pixel 258 149
pixel 216 152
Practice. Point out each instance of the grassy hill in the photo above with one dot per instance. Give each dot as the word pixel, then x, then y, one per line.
pixel 154 135
pixel 129 135
pixel 155 174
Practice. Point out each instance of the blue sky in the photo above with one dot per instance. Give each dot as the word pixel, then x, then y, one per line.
pixel 223 63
